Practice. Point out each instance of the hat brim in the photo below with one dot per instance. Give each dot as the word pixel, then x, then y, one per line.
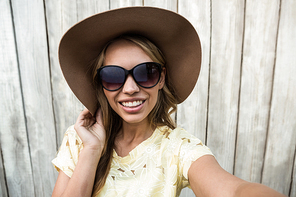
pixel 169 31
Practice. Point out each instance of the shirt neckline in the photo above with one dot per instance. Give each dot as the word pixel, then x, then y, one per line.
pixel 133 154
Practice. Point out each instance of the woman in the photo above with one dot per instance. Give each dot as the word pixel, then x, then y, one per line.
pixel 143 62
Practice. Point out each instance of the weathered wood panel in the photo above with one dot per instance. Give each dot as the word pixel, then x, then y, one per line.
pixel 226 46
pixel 293 181
pixel 261 25
pixel 18 180
pixel 3 187
pixel 31 42
pixel 166 4
pixel 124 3
pixel 281 139
pixel 88 8
pixel 192 114
pixel 60 15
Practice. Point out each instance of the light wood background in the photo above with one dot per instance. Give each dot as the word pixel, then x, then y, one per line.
pixel 243 106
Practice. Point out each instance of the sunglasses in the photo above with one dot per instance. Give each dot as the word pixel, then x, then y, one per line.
pixel 146 75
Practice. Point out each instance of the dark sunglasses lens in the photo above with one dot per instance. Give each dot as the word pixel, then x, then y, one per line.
pixel 112 77
pixel 147 74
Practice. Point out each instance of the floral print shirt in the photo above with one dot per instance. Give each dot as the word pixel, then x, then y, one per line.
pixel 156 167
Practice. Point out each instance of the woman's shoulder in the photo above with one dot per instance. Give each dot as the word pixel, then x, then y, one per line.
pixel 177 133
pixel 180 148
pixel 180 142
pixel 70 130
pixel 71 137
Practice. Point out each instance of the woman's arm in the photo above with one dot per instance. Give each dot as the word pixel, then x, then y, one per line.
pixel 208 179
pixel 82 181
pixel 92 134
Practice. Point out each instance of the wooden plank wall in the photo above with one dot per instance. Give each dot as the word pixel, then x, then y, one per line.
pixel 243 106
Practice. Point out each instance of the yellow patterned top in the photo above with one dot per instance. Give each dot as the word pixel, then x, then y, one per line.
pixel 156 167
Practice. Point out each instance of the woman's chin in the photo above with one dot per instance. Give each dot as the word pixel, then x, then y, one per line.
pixel 135 119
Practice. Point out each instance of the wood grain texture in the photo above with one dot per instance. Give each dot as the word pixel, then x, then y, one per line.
pixel 261 24
pixel 227 36
pixel 31 42
pixel 18 180
pixel 124 3
pixel 60 16
pixel 192 114
pixel 281 140
pixel 3 185
pixel 7 24
pixel 166 4
pixel 293 181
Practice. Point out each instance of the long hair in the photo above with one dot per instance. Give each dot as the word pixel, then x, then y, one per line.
pixel 159 116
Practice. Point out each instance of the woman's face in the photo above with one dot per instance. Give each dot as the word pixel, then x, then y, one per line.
pixel 131 102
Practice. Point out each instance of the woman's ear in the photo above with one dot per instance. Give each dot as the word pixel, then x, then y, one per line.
pixel 162 78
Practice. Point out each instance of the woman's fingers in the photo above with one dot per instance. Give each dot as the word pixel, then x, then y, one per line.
pixel 91 129
pixel 85 119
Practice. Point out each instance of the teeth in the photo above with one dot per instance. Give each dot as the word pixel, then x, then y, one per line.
pixel 132 104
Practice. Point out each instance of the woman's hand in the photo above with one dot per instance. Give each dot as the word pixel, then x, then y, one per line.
pixel 91 130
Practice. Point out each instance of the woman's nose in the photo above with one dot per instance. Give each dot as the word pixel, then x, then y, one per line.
pixel 130 86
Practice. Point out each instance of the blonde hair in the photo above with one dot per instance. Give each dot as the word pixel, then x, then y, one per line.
pixel 159 116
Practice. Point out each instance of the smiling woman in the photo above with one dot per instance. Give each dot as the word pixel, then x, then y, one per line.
pixel 125 143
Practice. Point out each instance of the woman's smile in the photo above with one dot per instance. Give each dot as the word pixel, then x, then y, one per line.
pixel 132 107
pixel 131 104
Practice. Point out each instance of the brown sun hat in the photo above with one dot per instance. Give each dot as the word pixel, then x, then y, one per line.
pixel 169 31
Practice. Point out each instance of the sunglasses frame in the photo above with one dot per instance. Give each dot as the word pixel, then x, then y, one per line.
pixel 127 72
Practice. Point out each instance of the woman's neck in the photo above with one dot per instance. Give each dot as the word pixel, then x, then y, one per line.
pixel 131 135
pixel 137 131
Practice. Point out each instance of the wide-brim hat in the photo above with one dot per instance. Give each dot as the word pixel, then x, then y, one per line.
pixel 170 32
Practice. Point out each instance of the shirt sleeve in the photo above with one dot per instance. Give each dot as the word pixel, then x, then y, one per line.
pixel 68 153
pixel 190 150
